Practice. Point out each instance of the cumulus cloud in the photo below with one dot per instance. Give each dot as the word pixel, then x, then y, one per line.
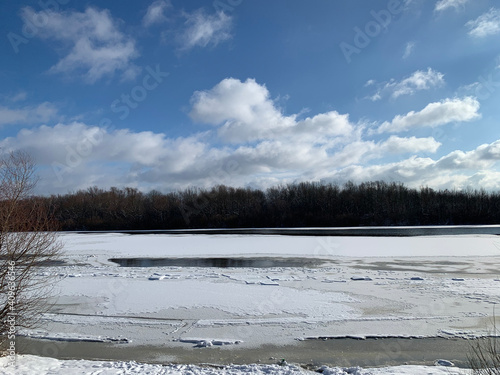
pixel 93 44
pixel 397 145
pixel 482 157
pixel 232 99
pixel 435 114
pixel 75 154
pixel 456 170
pixel 156 13
pixel 417 81
pixel 331 124
pixel 485 25
pixel 204 30
pixel 363 151
pixel 244 112
pixel 442 5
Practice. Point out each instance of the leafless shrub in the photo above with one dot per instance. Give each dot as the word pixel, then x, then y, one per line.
pixel 27 241
pixel 484 354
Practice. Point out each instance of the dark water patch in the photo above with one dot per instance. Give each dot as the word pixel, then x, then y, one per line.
pixel 260 262
pixel 314 353
pixel 395 231
pixel 50 263
pixel 427 266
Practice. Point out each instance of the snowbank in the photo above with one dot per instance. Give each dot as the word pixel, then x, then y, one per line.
pixel 33 365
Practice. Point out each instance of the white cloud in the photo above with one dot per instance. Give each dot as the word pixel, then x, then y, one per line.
pixel 397 145
pixel 94 46
pixel 482 157
pixel 457 170
pixel 485 25
pixel 156 13
pixel 244 112
pixel 435 114
pixel 361 151
pixel 410 46
pixel 442 5
pixel 417 81
pixel 234 100
pixel 28 115
pixel 202 30
pixel 329 124
pixel 272 148
pixel 364 151
pixel 77 155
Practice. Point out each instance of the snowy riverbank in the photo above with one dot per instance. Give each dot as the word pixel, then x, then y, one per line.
pixel 32 365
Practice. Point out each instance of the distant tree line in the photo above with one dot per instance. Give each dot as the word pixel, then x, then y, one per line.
pixel 295 205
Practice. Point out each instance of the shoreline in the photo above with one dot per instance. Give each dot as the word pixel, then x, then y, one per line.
pixel 368 231
pixel 370 352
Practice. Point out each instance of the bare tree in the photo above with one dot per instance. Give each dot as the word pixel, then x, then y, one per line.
pixel 484 354
pixel 27 241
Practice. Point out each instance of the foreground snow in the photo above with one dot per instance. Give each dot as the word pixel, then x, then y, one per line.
pixel 33 365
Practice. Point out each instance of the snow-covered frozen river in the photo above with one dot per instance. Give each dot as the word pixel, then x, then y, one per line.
pixel 398 288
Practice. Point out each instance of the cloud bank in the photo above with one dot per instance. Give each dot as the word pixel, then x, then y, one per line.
pixel 245 139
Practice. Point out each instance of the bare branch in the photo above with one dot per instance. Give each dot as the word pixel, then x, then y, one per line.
pixel 27 240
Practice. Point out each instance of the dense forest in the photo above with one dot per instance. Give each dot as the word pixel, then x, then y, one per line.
pixel 295 205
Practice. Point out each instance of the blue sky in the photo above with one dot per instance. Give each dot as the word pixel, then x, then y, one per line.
pixel 170 94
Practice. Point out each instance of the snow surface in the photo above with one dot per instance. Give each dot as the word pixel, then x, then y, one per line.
pixel 108 245
pixel 401 287
pixel 33 365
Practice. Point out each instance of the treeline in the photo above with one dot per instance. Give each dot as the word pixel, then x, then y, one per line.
pixel 296 205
